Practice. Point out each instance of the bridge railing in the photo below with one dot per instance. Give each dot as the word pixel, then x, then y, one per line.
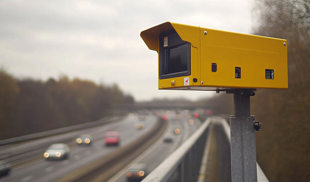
pixel 183 165
pixel 261 177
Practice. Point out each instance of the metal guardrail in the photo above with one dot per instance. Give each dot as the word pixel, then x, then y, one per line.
pixel 181 166
pixel 261 177
pixel 56 131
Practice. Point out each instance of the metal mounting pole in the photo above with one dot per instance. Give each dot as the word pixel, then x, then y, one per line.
pixel 243 141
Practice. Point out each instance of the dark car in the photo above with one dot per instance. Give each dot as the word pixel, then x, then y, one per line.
pixel 5 168
pixel 137 172
pixel 168 138
pixel 57 151
pixel 84 140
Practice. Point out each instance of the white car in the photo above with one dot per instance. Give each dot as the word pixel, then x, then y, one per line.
pixel 57 151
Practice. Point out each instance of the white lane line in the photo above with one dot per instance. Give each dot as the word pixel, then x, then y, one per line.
pixel 76 157
pixel 28 178
pixel 49 169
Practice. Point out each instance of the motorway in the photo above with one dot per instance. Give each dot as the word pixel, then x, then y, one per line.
pixel 160 150
pixel 38 169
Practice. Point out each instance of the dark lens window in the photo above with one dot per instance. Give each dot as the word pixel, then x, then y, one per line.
pixel 177 61
pixel 174 56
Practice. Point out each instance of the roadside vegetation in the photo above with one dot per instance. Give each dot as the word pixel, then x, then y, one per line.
pixel 28 106
pixel 283 144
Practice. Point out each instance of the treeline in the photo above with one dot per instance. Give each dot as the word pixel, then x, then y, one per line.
pixel 283 144
pixel 28 105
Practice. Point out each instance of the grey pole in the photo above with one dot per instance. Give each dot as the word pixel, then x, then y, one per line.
pixel 243 141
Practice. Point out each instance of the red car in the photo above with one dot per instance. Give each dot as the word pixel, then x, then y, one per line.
pixel 196 115
pixel 164 117
pixel 112 138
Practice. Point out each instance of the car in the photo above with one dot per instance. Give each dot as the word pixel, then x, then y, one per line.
pixel 111 138
pixel 168 138
pixel 139 126
pixel 136 172
pixel 196 115
pixel 57 151
pixel 84 140
pixel 5 168
pixel 177 131
pixel 164 117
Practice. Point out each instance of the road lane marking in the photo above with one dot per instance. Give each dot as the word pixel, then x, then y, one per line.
pixel 76 157
pixel 28 178
pixel 49 169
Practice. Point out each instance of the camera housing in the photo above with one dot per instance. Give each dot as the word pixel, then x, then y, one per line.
pixel 206 59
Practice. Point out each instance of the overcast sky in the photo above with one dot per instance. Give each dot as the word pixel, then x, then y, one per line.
pixel 100 40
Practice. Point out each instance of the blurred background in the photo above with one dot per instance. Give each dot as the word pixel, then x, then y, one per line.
pixel 70 62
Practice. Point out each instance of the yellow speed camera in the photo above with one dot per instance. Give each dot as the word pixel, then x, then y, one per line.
pixel 205 59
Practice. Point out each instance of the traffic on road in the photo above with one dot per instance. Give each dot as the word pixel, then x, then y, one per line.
pixel 61 156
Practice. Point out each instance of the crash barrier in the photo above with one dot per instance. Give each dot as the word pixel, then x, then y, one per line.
pixel 261 177
pixel 184 164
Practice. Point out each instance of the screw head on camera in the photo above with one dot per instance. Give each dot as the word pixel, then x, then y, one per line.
pixel 257 125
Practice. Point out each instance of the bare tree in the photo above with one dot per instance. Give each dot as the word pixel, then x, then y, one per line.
pixel 283 144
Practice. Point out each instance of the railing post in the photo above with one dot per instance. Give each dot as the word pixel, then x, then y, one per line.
pixel 243 141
